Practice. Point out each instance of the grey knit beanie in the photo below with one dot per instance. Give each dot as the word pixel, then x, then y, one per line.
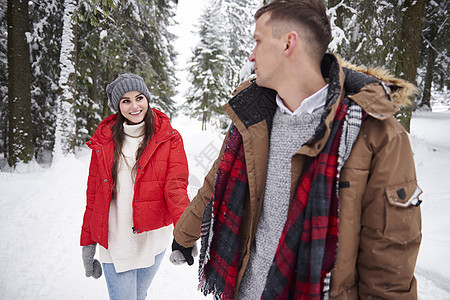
pixel 123 84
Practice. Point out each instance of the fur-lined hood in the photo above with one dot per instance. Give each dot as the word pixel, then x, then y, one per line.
pixel 402 91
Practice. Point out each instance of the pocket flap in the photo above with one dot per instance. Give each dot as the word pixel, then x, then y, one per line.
pixel 404 195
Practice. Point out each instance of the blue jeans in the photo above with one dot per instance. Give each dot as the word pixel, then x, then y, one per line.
pixel 132 284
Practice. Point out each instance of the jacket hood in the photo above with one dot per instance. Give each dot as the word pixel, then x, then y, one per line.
pixel 103 134
pixel 402 92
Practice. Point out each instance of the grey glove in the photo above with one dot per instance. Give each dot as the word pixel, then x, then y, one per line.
pixel 180 254
pixel 92 266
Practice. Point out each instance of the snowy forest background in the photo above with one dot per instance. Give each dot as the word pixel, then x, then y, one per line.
pixel 56 57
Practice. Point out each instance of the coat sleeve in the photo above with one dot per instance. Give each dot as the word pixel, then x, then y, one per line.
pixel 175 186
pixel 90 198
pixel 187 230
pixel 391 221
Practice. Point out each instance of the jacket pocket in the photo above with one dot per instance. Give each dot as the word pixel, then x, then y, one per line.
pixel 403 218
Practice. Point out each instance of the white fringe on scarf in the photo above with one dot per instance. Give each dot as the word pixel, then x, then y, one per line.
pixel 350 131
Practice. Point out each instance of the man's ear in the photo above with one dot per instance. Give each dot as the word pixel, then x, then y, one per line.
pixel 292 41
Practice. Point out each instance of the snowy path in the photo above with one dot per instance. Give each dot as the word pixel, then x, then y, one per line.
pixel 430 139
pixel 41 214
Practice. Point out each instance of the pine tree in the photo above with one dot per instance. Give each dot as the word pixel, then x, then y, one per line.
pixel 430 55
pixel 20 142
pixel 435 56
pixel 207 68
pixel 46 22
pixel 380 33
pixel 92 54
pixel 156 43
pixel 131 37
pixel 364 32
pixel 225 39
pixel 239 17
pixel 92 68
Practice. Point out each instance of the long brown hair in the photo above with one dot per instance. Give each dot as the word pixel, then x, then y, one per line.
pixel 118 137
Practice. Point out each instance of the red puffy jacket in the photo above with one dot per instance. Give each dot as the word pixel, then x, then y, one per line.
pixel 160 189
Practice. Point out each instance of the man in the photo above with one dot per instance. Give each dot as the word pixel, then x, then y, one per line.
pixel 314 193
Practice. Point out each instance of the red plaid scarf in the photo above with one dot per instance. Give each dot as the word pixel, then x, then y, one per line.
pixel 307 249
pixel 219 253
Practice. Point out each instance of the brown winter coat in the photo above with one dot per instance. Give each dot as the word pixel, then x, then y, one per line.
pixel 379 231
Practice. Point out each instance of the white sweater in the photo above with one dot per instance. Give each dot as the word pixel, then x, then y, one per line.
pixel 128 250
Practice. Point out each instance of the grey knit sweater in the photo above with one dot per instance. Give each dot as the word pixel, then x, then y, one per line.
pixel 288 134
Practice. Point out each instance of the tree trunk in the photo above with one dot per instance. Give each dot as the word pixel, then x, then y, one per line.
pixel 431 58
pixel 409 45
pixel 20 141
pixel 65 133
pixel 5 137
pixel 205 118
pixel 204 121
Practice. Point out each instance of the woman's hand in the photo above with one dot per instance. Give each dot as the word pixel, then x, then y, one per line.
pixel 92 266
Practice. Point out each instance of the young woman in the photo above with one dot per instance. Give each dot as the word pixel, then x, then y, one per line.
pixel 137 187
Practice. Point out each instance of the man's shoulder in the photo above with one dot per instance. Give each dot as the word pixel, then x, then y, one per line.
pixel 252 103
pixel 381 132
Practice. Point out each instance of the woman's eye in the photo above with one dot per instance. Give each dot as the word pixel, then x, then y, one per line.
pixel 125 101
pixel 140 98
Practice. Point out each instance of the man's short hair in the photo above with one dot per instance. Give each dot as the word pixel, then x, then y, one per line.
pixel 307 17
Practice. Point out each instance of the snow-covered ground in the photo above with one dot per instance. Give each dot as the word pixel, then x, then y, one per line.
pixel 41 214
pixel 430 140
